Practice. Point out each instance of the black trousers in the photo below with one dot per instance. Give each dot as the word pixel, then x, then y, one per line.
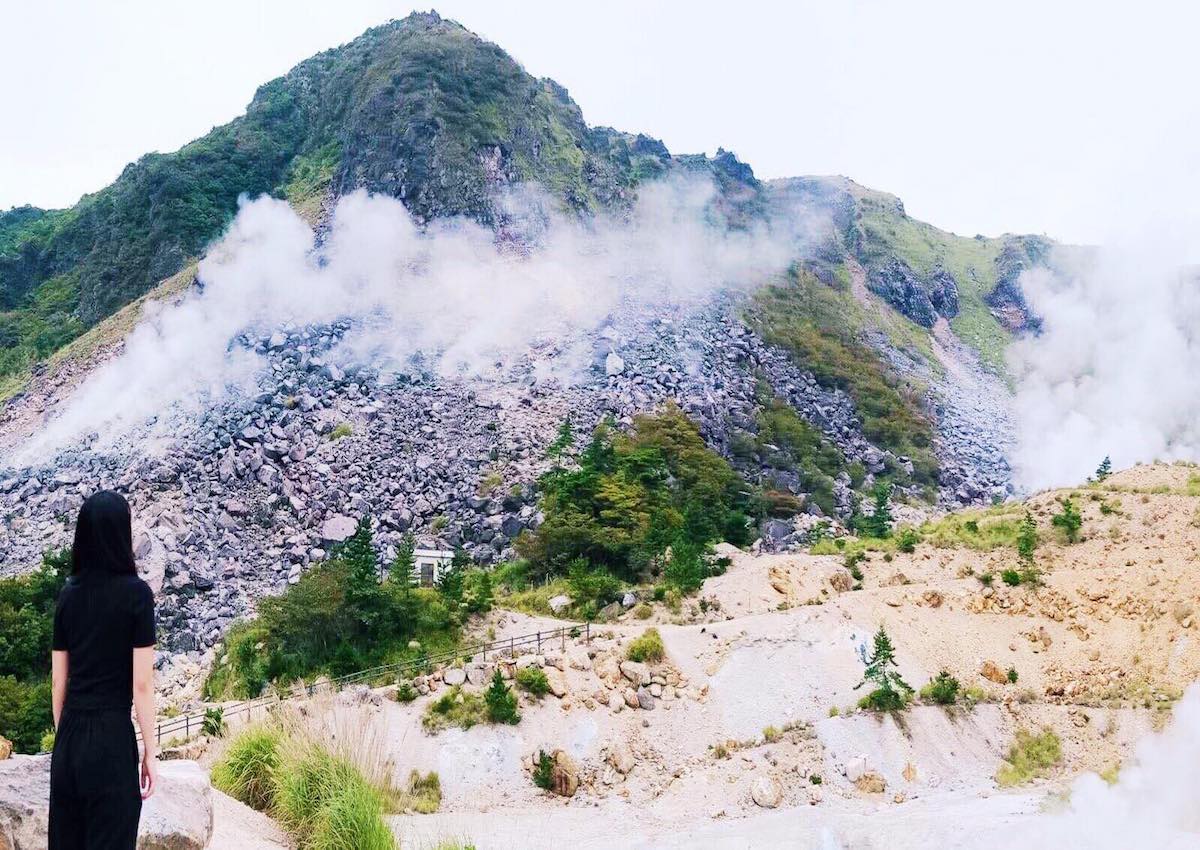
pixel 95 799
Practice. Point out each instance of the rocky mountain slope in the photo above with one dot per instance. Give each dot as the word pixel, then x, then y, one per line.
pixel 885 338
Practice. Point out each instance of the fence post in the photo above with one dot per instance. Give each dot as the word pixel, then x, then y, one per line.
pixel 539 641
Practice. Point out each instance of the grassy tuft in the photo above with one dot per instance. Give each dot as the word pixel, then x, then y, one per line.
pixel 648 647
pixel 1030 757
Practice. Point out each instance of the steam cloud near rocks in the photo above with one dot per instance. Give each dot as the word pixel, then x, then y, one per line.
pixel 450 294
pixel 1153 803
pixel 1116 369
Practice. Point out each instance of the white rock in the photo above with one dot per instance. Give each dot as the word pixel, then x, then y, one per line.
pixel 559 603
pixel 613 364
pixel 765 791
pixel 454 676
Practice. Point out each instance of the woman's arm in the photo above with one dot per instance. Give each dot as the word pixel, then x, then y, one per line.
pixel 59 669
pixel 143 705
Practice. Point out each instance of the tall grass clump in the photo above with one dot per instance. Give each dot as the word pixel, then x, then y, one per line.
pixel 328 786
pixel 248 769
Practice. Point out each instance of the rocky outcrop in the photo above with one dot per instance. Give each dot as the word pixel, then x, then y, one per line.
pixel 920 300
pixel 178 817
pixel 1007 298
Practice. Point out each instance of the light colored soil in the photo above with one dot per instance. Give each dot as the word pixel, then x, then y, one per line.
pixel 239 827
pixel 1101 649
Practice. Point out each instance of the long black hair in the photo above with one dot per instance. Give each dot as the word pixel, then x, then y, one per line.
pixel 103 536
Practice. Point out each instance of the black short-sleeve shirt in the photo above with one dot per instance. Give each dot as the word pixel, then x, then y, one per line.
pixel 99 620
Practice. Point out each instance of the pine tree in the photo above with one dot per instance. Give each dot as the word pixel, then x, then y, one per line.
pixel 501 701
pixel 891 691
pixel 401 570
pixel 363 594
pixel 879 523
pixel 1027 540
pixel 451 584
pixel 1069 520
pixel 1104 469
pixel 564 440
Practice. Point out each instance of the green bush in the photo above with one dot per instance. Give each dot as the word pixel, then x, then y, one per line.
pixel 455 707
pixel 1010 577
pixel 325 802
pixel 543 771
pixel 26 626
pixel 648 647
pixel 47 744
pixel 248 769
pixel 501 701
pixel 1068 519
pixel 591 585
pixel 533 681
pixel 1030 757
pixel 907 540
pixel 630 497
pixel 405 692
pixel 214 722
pixel 339 618
pixel 891 693
pixel 942 689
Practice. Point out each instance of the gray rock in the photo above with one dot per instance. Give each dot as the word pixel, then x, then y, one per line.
pixel 338 529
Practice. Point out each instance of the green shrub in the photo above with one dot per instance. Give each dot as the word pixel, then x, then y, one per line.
pixel 405 692
pixel 1012 675
pixel 643 611
pixel 455 707
pixel 648 647
pixel 771 734
pixel 631 496
pixel 907 540
pixel 214 722
pixel 501 701
pixel 47 743
pixel 1030 757
pixel 942 689
pixel 533 681
pixel 592 585
pixel 342 430
pixel 1010 577
pixel 1068 519
pixel 814 778
pixel 424 793
pixel 543 771
pixel 248 769
pixel 339 618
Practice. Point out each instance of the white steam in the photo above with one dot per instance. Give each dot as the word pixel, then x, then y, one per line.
pixel 1116 369
pixel 452 293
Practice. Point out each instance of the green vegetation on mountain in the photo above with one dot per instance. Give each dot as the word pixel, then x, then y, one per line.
pixel 812 322
pixel 338 619
pixel 420 109
pixel 26 634
pixel 631 497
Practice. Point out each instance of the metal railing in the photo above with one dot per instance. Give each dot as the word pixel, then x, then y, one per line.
pixel 189 723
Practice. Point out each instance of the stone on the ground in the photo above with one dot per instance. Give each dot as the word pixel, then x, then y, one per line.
pixel 992 672
pixel 620 757
pixel 564 777
pixel 645 699
pixel 636 672
pixel 454 676
pixel 559 603
pixel 765 792
pixel 557 680
pixel 178 817
pixel 479 672
pixel 338 529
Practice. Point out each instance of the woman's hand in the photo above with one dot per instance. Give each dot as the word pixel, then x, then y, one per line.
pixel 149 779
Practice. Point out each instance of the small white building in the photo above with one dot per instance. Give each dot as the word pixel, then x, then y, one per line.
pixel 429 565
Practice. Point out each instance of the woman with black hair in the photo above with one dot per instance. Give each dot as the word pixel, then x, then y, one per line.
pixel 103 660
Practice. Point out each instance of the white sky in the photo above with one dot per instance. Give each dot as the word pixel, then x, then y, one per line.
pixel 983 116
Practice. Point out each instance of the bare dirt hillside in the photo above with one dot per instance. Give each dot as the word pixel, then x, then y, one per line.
pixel 747 734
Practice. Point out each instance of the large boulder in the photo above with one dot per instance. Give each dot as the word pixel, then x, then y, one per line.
pixel 765 792
pixel 178 817
pixel 564 777
pixel 338 529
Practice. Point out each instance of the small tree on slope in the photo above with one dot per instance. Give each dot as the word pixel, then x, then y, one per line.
pixel 1104 469
pixel 891 691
